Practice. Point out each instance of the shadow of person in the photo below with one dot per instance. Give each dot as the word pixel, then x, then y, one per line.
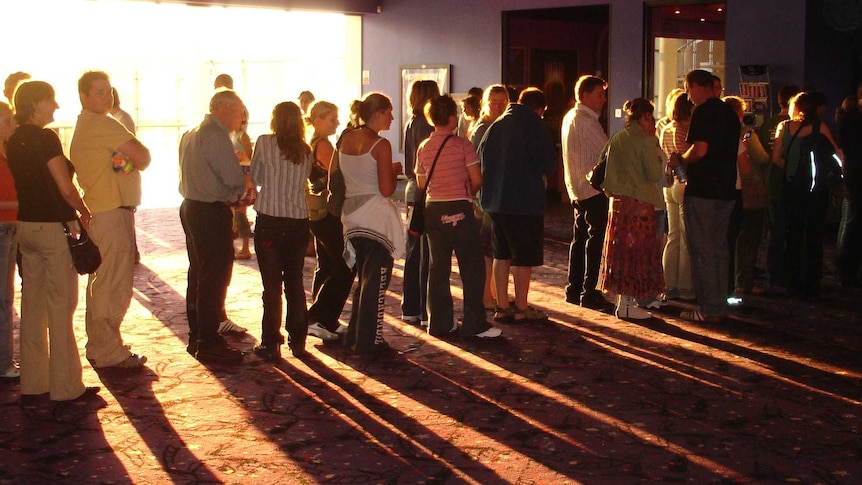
pixel 133 390
pixel 46 441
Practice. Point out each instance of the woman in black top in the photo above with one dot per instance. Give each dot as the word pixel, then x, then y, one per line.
pixel 46 199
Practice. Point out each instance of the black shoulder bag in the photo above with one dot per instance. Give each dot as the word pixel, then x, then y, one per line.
pixel 85 254
pixel 416 219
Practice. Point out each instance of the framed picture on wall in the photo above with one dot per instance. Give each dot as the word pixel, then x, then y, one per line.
pixel 409 74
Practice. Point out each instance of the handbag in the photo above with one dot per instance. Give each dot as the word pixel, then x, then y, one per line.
pixel 596 176
pixel 416 219
pixel 85 253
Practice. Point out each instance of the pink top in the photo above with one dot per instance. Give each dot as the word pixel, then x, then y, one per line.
pixel 450 180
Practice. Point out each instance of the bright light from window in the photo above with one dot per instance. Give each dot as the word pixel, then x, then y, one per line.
pixel 162 58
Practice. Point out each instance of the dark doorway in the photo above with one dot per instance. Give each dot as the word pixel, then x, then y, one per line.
pixel 554 45
pixel 550 48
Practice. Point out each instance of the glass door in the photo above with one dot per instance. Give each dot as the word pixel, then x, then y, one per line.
pixel 681 36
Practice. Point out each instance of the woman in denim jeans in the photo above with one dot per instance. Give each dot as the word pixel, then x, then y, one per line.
pixel 280 166
pixel 8 246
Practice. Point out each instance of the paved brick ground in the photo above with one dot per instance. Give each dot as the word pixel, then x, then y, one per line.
pixel 770 395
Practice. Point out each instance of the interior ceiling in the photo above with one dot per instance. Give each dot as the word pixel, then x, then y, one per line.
pixel 713 12
pixel 344 6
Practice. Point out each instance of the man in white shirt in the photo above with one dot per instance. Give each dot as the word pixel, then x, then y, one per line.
pixel 583 139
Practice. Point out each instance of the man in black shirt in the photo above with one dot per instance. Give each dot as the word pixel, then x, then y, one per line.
pixel 710 193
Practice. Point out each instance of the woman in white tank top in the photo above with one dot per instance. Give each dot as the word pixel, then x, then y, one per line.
pixel 373 232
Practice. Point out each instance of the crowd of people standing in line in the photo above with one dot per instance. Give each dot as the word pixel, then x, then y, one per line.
pixel 483 175
pixel 719 175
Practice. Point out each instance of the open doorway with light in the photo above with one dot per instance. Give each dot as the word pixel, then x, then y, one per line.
pixel 681 36
pixel 163 56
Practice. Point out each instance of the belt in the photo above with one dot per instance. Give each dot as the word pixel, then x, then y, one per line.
pixel 128 208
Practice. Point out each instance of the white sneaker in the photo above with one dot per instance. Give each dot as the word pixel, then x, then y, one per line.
pixel 424 323
pixel 228 326
pixel 342 329
pixel 12 372
pixel 627 308
pixel 490 333
pixel 319 331
pixel 412 319
pixel 655 304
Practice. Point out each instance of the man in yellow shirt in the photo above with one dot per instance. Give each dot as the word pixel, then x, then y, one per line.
pixel 108 160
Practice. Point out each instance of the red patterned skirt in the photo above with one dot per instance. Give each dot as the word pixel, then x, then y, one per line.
pixel 631 256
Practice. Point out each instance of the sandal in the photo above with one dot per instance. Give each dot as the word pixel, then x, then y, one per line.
pixel 531 314
pixel 505 315
pixel 697 316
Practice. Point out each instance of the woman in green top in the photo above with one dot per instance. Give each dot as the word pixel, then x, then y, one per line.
pixel 631 257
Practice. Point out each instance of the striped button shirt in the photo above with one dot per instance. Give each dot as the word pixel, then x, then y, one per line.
pixel 282 184
pixel 583 139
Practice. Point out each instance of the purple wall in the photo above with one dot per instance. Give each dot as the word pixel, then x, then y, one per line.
pixel 468 35
pixel 768 32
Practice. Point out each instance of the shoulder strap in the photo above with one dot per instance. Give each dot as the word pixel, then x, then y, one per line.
pixel 375 144
pixel 787 149
pixel 434 164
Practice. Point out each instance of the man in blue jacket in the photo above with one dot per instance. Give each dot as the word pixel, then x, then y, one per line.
pixel 516 154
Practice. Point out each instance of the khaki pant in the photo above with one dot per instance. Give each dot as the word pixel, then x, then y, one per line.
pixel 48 299
pixel 109 289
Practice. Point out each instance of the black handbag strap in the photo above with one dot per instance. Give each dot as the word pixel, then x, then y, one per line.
pixel 815 130
pixel 434 164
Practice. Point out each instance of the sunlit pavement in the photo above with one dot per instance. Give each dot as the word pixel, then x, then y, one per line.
pixel 769 395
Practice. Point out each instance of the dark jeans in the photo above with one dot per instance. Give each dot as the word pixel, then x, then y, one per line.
pixel 850 237
pixel 209 242
pixel 452 227
pixel 806 218
pixel 747 244
pixel 374 270
pixel 585 252
pixel 332 278
pixel 280 245
pixel 776 235
pixel 415 276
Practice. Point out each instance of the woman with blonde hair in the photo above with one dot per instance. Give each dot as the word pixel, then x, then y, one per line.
pixel 751 163
pixel 675 258
pixel 280 166
pixel 496 100
pixel 332 278
pixel 373 231
pixel 631 257
pixel 413 300
pixel 805 207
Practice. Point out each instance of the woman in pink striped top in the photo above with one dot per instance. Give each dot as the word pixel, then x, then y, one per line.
pixel 448 168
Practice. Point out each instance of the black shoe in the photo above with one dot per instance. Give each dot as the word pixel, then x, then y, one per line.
pixel 192 348
pixel 268 352
pixel 298 352
pixel 89 393
pixel 596 302
pixel 219 354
